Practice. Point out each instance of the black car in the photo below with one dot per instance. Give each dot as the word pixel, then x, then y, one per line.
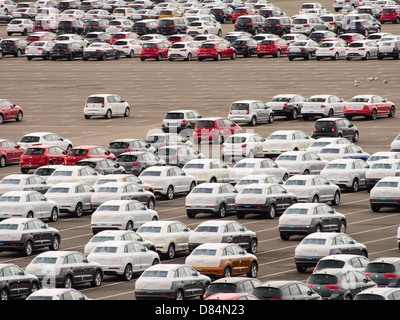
pixel 385 271
pixel 267 12
pixel 375 12
pixel 68 4
pixel 99 25
pixel 364 27
pixel 389 49
pixel 26 234
pixel 145 27
pixel 101 51
pixel 136 161
pixel 15 282
pixel 277 25
pixel 252 24
pixel 245 47
pixel 70 26
pixel 232 285
pixel 317 36
pixel 222 14
pixel 15 47
pixel 98 37
pixel 335 127
pixel 168 26
pixel 1 53
pixel 66 50
pixel 102 166
pixel 285 290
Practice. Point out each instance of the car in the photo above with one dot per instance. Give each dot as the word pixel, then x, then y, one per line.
pixel 145 26
pixel 178 155
pixel 242 145
pixel 351 37
pixel 286 140
pixel 10 152
pixel 306 218
pixel 180 38
pixel 331 49
pixel 245 47
pixel 174 282
pixel 384 271
pixel 271 11
pixel 71 26
pixel 265 199
pixel 72 37
pixel 319 143
pixel 8 6
pixel 204 27
pixel 364 49
pixel 136 161
pixel 390 14
pixel 122 191
pixel 378 36
pixel 13 46
pixel 347 173
pixel 12 277
pixel 98 14
pixel 35 157
pixel 252 24
pixel 94 25
pixel 377 293
pixel 250 111
pixel 237 35
pixel 153 37
pixel 207 170
pixel 168 180
pixel 44 138
pixel 10 111
pixel 87 152
pixel 323 105
pixel 241 11
pixel 231 285
pixel 49 24
pixel 154 50
pixel 264 36
pixel 394 145
pixel 123 258
pixel 219 260
pixel 382 155
pixel 68 4
pixel 66 50
pixel 255 179
pixel 310 7
pixel 216 50
pixel 307 24
pixel 119 25
pixel 27 204
pixel 342 284
pixel 98 36
pixel 129 47
pixel 320 244
pixel 333 152
pixel 41 36
pixel 126 13
pixel 274 47
pixel 301 162
pixel 100 51
pixel 232 296
pixel 380 169
pixel 26 235
pixel 45 171
pixel 168 236
pixel 335 127
pixel 216 130
pixel 305 49
pixel 343 261
pixel 288 105
pixel 181 119
pixel 22 26
pixel 54 268
pixel 322 35
pixel 201 38
pixel 389 49
pixel 172 25
pixel 106 105
pixel 119 146
pixel 334 22
pixel 74 198
pixel 310 188
pixel 39 49
pixel 215 198
pixel 22 182
pixel 370 106
pixel 385 194
pixel 57 294
pixel 340 4
pixel 279 25
pixel 285 290
pixel 102 166
pixel 162 139
pixel 294 37
pixel 68 173
pixel 222 14
pixel 110 5
pixel 47 12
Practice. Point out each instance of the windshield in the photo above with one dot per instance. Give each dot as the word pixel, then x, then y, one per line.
pixel 202 190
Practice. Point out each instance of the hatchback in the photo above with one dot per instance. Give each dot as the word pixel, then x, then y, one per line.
pixel 82 152
pixel 307 24
pixel 35 157
pixel 216 50
pixel 178 120
pixel 245 47
pixel 66 50
pixel 274 47
pixel 302 49
pixel 251 112
pixel 232 285
pixel 100 51
pixel 95 25
pixel 214 130
pixel 186 50
pixel 390 14
pixel 102 166
pixel 277 25
pixel 39 49
pixel 145 26
pixel 10 111
pixel 98 36
pixel 335 127
pixel 136 161
pixel 350 37
pixel 70 26
pixel 331 49
pixel 249 23
pixel 106 105
pixel 10 152
pixel 285 290
pixel 389 49
pixel 22 26
pixel 154 50
pixel 15 47
pixel 168 26
pixel 384 271
pixel 241 11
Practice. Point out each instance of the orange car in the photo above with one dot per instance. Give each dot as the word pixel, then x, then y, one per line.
pixel 223 260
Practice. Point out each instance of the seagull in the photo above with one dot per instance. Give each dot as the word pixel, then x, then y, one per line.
pixel 376 78
pixel 370 79
pixel 385 81
pixel 356 82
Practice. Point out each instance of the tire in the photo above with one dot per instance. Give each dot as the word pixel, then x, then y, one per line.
pixel 78 210
pixel 284 236
pixel 392 112
pixel 294 114
pixel 4 294
pixel 342 226
pixel 67 283
pixel 220 139
pixel 189 57
pixel 301 269
pixel 2 162
pixel 102 58
pixel 227 272
pixel 278 54
pixel 331 113
pixel 131 54
pixel 253 121
pixel 253 270
pixel 18 54
pixel 171 251
pixel 170 193
pixel 354 186
pixel 375 208
pixel 315 199
pixel 142 59
pixel 127 112
pixel 190 215
pixel 271 212
pixel 54 215
pixel 309 56
pixel 28 248
pixel 192 186
pixel 20 116
pixel 159 57
pixel 87 116
pixel 179 295
pixel 306 172
pixel 29 58
pixel 24 32
pixel 34 287
pixel 117 55
pixel 271 118
pixel 128 274
pixel 108 114
pixel 55 243
pixel 129 226
pixel 356 136
pixel 151 204
pixel 97 280
pixel 373 115
pixel 218 58
pixel 318 228
pixel 336 199
pixel 335 57
pixel 233 57
pixel 367 56
pixel 221 211
pixel 253 246
pixel 71 57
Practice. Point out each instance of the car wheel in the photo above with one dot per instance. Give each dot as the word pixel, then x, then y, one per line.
pixel 253 270
pixel 260 55
pixel 34 287
pixel 271 118
pixel 170 193
pixel 171 251
pixel 129 226
pixel 220 139
pixel 375 208
pixel 315 199
pixel 1 54
pixel 308 57
pixel 71 57
pixel 151 204
pixel 318 228
pixel 271 212
pixel 354 186
pixel 2 162
pixel 131 54
pixel 227 272
pixel 336 199
pixel 97 279
pixel 159 57
pixel 127 275
pixel 54 215
pixel 366 33
pixel 127 112
pixel 78 210
pixel 28 249
pixel 179 295
pixel 117 55
pixel 331 113
pixel 294 114
pixel 189 57
pixel 356 136
pixel 87 116
pixel 278 54
pixel 55 243
pixel 342 227
pixel 253 121
pixel 392 111
pixel 373 115
pixel 4 294
pixel 18 54
pixel 102 57
pixel 67 283
pixel 218 58
pixel 335 57
pixel 108 114
pixel 285 177
pixel 222 211
pixel 253 246
pixel 233 57
pixel 192 185
pixel 190 214
pixel 284 236
pixel 306 172
pixel 142 59
pixel 301 268
pixel 19 117
pixel 367 56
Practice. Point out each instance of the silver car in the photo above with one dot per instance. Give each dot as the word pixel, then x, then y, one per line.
pixel 136 162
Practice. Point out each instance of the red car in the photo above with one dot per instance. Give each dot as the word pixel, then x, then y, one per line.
pixel 274 47
pixel 216 50
pixel 390 14
pixel 214 129
pixel 35 157
pixel 241 11
pixel 180 37
pixel 123 35
pixel 82 152
pixel 369 106
pixel 10 111
pixel 350 37
pixel 41 36
pixel 154 50
pixel 10 152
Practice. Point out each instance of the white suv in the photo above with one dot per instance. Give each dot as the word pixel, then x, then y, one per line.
pixel 307 24
pixel 106 105
pixel 250 111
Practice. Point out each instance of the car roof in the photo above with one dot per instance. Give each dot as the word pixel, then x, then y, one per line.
pixel 232 280
pixel 216 222
pixel 277 283
pixel 17 220
pixel 387 259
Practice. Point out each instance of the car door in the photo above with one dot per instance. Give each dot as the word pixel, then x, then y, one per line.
pixel 44 233
pixel 12 280
pixel 232 234
pixel 14 152
pixel 34 232
pixel 197 282
pixel 146 260
pixel 44 205
pixel 112 104
pixel 85 192
pixel 229 257
pixel 73 266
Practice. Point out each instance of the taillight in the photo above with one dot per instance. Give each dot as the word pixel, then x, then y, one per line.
pixel 172 26
pixel 277 26
pixel 314 130
pixel 175 157
pixel 162 123
pixel 306 25
pixel 244 145
pixel 323 106
pixel 390 276
pixel 333 129
pixel 333 288
pixel 183 122
pixel 247 111
pixel 286 105
pixel 250 24
pixel 135 164
pixel 102 105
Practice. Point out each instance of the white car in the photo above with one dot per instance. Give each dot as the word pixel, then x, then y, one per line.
pixel 382 155
pixel 204 27
pixel 313 189
pixel 342 151
pixel 45 171
pixel 223 231
pixel 248 166
pixel 264 36
pixel 380 169
pixel 119 25
pixel 47 24
pixel 74 198
pixel 250 111
pixel 109 235
pixel 321 244
pixel 110 5
pixel 186 50
pixel 215 198
pixel 331 49
pixel 71 14
pixel 81 174
pixel 288 105
pixel 323 105
pixel 27 204
pixel 129 47
pixel 126 13
pixel 97 14
pixel 22 26
pixel 201 38
pixel 254 179
pixel 44 138
pixel 319 143
pixel 207 170
pixel 121 215
pixel 72 38
pixel 347 173
pixel 153 37
pixel 122 191
pixel 286 140
pixel 243 145
pixel 23 182
pixel 57 294
pixel 39 49
pixel 386 193
pixel 106 105
pixel 8 6
pixel 294 37
pixel 169 237
pixel 364 49
pixel 395 144
pixel 168 180
pixel 123 258
pixel 342 261
pixel 122 177
pixel 301 162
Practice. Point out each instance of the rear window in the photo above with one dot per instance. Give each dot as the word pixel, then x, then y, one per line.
pixel 240 106
pixel 300 21
pixel 208 45
pixel 388 10
pixel 165 22
pixel 114 23
pixel 29 139
pixel 324 125
pixel 240 10
pixel 322 279
pixel 243 20
pixel 34 151
pixel 271 22
pixel 95 100
pixel 380 267
pixel 205 124
pixel 126 158
pixel 64 23
pixel 323 264
pixel 77 152
pixel 174 115
pixel 149 45
pixel 267 42
pixel 267 293
pixel 118 145
pixel 221 288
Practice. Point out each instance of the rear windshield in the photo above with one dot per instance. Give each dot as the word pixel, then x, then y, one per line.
pixel 165 22
pixel 77 152
pixel 208 45
pixel 322 279
pixel 34 151
pixel 95 100
pixel 61 46
pixel 126 158
pixel 64 23
pixel 324 125
pixel 267 42
pixel 174 115
pixel 221 288
pixel 118 145
pixel 369 296
pixel 240 106
pixel 205 124
pixel 150 45
pixel 29 139
pixel 243 20
pixel 388 10
pixel 299 21
pixel 322 264
pixel 271 22
pixel 267 293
